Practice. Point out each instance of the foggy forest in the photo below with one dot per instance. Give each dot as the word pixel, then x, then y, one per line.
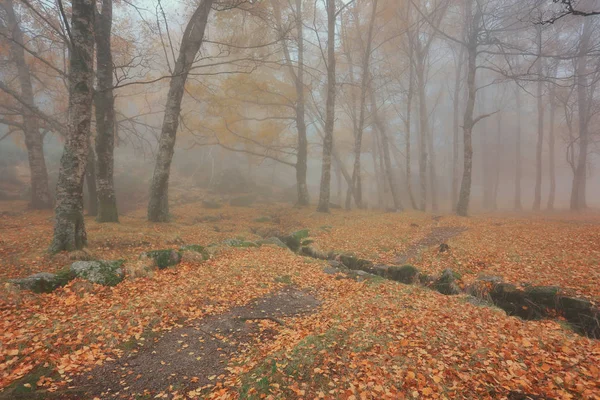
pixel 299 199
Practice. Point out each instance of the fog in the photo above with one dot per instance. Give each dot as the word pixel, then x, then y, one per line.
pixel 256 104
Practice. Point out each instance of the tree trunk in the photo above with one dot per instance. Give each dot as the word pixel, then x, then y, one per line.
pixel 551 151
pixel 537 199
pixel 578 201
pixel 518 170
pixel 409 97
pixel 69 228
pixel 432 175
pixel 385 148
pixel 105 117
pixel 34 140
pixel 462 207
pixel 329 111
pixel 90 179
pixel 158 205
pixel 301 162
pixel 497 159
pixel 377 171
pixel 455 128
pixel 423 132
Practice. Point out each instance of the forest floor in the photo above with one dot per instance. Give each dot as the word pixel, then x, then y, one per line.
pixel 268 323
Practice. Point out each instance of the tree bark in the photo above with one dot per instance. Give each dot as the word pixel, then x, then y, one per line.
pixel 329 111
pixel 455 127
pixel 69 228
pixel 158 205
pixel 105 117
pixel 537 199
pixel 462 207
pixel 409 97
pixel 578 201
pixel 551 151
pixel 90 179
pixel 423 132
pixel 432 174
pixel 518 169
pixel 302 158
pixel 497 161
pixel 34 140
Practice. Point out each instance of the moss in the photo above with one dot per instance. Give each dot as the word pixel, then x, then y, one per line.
pixel 64 276
pixel 272 240
pixel 195 248
pixel 25 388
pixel 164 258
pixel 263 219
pixel 307 242
pixel 301 234
pixel 239 243
pixel 405 274
pixel 287 279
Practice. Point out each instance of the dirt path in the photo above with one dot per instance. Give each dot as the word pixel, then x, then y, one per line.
pixel 437 236
pixel 190 357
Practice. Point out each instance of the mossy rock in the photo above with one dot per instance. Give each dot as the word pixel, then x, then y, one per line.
pixel 301 234
pixel 405 274
pixel 292 242
pixel 163 258
pixel 43 282
pixel 307 242
pixel 355 263
pixel 446 283
pixel 196 248
pixel 239 243
pixel 543 295
pixel 107 273
pixel 272 241
pixel 314 253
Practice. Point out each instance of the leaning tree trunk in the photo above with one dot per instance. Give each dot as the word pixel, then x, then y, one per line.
pixel 329 111
pixel 90 180
pixel 105 117
pixel 69 228
pixel 158 205
pixel 34 140
pixel 518 169
pixel 537 199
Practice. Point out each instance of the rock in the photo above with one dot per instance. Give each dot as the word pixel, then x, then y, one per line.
pixel 292 242
pixel 491 278
pixel 211 204
pixel 335 264
pixel 301 234
pixel 406 274
pixel 331 270
pixel 354 263
pixel 43 282
pixel 194 248
pixel 574 303
pixel 444 248
pixel 381 270
pixel 163 258
pixel 107 273
pixel 243 201
pixel 546 296
pixel 142 268
pixel 273 241
pixel 239 243
pixel 314 253
pixel 446 283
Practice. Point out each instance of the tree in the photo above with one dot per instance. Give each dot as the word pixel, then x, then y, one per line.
pixel 69 228
pixel 537 201
pixel 34 139
pixel 193 36
pixel 105 116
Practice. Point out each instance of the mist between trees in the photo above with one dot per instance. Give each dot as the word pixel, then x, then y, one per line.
pixel 443 105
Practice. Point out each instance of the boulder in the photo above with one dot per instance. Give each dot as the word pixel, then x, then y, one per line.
pixel 194 248
pixel 405 274
pixel 314 253
pixel 355 263
pixel 107 273
pixel 544 296
pixel 163 258
pixel 43 282
pixel 239 243
pixel 446 283
pixel 444 248
pixel 273 241
pixel 301 234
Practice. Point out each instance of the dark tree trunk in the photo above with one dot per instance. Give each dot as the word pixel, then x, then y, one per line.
pixel 69 228
pixel 378 174
pixel 329 111
pixel 537 199
pixel 90 180
pixel 455 127
pixel 409 97
pixel 432 174
pixel 105 117
pixel 462 207
pixel 497 161
pixel 518 170
pixel 158 205
pixel 34 140
pixel 423 133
